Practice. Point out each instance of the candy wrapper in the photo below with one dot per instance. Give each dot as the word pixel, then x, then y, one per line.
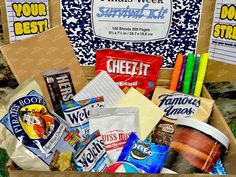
pixel 92 155
pixel 146 156
pixel 130 69
pixel 218 169
pixel 60 87
pixel 31 133
pixel 115 125
pixel 77 113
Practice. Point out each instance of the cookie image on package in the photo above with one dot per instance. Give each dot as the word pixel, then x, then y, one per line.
pixel 140 151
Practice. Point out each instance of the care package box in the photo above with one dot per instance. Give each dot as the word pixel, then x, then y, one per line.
pixel 57 49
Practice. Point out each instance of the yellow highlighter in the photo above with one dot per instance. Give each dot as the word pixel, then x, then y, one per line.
pixel 201 74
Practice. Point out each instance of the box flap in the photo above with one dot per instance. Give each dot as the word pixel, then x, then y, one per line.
pixel 48 50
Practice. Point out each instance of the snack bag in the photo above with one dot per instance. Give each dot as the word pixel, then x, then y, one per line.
pixel 177 105
pixel 91 154
pixel 32 134
pixel 115 125
pixel 60 87
pixel 130 69
pixel 77 113
pixel 146 156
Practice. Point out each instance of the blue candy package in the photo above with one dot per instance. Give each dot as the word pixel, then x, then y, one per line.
pixel 77 113
pixel 218 169
pixel 146 156
pixel 91 154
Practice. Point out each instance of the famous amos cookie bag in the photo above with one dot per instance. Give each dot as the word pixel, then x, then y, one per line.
pixel 32 133
pixel 177 105
pixel 130 69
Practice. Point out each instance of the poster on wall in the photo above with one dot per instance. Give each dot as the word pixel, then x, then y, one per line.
pixel 26 18
pixel 223 36
pixel 157 27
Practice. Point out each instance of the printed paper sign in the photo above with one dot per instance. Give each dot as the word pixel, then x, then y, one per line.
pixel 155 27
pixel 131 21
pixel 223 36
pixel 26 18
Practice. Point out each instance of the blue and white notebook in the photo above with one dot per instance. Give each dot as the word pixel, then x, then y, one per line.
pixel 157 27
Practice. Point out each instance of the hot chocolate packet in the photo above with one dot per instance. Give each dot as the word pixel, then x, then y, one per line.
pixel 32 133
pixel 91 154
pixel 177 105
pixel 77 114
pixel 115 125
pixel 146 156
pixel 60 87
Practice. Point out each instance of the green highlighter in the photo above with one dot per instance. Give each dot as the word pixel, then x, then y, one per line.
pixel 195 72
pixel 188 73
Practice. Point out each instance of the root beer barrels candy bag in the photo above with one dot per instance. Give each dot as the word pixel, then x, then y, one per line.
pixel 31 133
pixel 130 69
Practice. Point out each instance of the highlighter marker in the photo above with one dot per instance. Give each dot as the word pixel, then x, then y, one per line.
pixel 197 60
pixel 201 74
pixel 180 82
pixel 176 72
pixel 188 73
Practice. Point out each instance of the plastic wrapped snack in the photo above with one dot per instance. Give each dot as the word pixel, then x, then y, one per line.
pixel 77 114
pixel 130 69
pixel 31 133
pixel 92 155
pixel 115 125
pixel 146 156
pixel 60 87
pixel 177 105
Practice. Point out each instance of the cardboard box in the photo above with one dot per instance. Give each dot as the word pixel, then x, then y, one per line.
pixel 216 120
pixel 48 50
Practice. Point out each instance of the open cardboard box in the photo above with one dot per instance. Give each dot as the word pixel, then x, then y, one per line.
pixel 216 120
pixel 217 71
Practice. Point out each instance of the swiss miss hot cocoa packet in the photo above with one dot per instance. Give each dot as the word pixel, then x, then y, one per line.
pixel 115 125
pixel 130 69
pixel 177 105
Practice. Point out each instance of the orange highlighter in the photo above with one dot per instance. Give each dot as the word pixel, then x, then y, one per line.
pixel 176 72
